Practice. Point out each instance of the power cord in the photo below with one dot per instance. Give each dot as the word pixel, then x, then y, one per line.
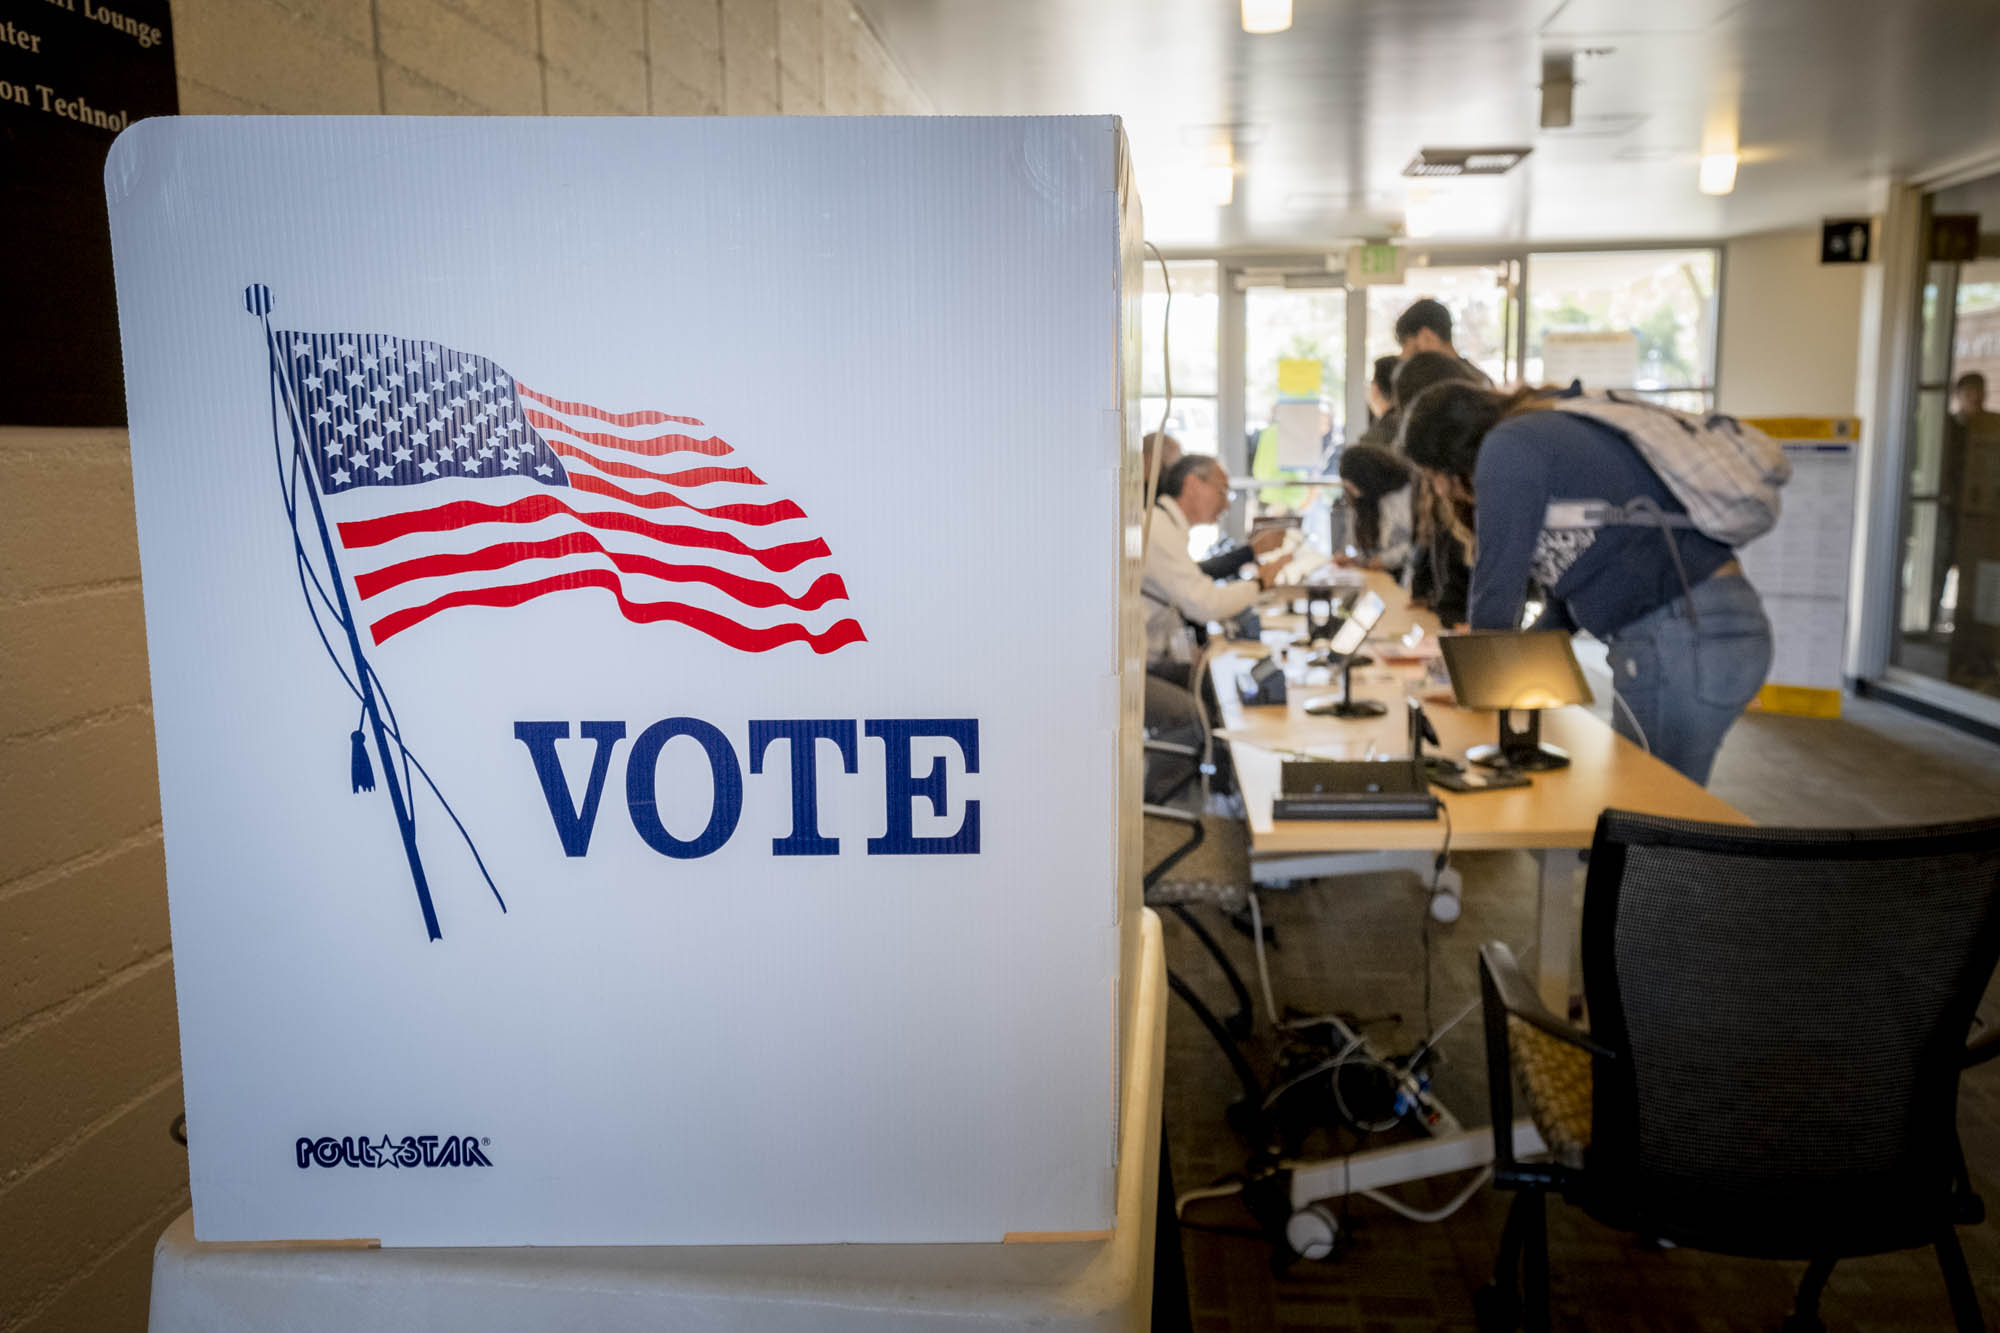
pixel 1618 701
pixel 1263 966
pixel 1167 382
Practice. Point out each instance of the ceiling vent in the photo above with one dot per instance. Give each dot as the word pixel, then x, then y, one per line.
pixel 1465 161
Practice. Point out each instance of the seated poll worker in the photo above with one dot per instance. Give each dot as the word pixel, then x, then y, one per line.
pixel 1439 575
pixel 1224 563
pixel 1378 484
pixel 1177 589
pixel 1689 641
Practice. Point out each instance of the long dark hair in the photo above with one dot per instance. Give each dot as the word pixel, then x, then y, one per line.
pixel 1375 472
pixel 1442 430
pixel 1444 425
pixel 1385 382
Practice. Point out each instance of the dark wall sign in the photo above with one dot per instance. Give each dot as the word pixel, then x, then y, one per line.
pixel 1843 241
pixel 73 73
pixel 1954 238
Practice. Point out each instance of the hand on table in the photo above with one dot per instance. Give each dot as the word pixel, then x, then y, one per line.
pixel 1267 571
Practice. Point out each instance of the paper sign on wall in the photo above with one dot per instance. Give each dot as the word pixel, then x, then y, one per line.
pixel 607 801
pixel 1299 377
pixel 1298 434
pixel 1800 567
pixel 1606 360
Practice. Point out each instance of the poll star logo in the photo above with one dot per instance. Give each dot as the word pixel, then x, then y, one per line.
pixel 430 480
pixel 412 1150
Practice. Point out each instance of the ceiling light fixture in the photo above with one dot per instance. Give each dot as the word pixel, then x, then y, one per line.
pixel 1718 173
pixel 1266 16
pixel 1221 182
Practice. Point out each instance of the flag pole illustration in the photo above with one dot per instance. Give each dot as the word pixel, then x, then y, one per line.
pixel 258 300
pixel 449 486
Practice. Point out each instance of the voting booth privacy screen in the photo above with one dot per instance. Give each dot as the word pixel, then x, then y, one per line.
pixel 634 612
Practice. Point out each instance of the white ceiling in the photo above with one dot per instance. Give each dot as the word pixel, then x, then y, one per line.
pixel 1827 98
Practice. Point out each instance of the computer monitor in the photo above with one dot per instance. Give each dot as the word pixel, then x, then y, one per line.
pixel 1517 674
pixel 1345 649
pixel 1361 620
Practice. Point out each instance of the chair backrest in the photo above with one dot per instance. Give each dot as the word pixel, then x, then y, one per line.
pixel 1788 1010
pixel 1175 716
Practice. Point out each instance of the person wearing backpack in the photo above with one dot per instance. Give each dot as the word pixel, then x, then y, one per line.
pixel 1570 500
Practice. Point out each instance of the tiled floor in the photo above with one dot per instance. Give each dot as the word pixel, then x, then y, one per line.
pixel 1357 945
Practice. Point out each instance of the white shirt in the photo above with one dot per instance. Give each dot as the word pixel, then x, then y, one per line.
pixel 1177 591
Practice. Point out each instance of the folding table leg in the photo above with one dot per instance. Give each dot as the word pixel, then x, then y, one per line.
pixel 1556 925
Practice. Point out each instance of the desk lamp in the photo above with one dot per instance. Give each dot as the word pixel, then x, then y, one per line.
pixel 1517 674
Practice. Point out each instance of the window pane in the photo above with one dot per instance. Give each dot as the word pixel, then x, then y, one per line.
pixel 1309 324
pixel 1195 310
pixel 1476 296
pixel 1664 298
pixel 1975 342
pixel 1193 421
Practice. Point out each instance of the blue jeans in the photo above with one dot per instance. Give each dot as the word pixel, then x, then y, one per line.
pixel 1685 681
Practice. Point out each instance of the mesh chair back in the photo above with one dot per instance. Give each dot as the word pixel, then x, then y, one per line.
pixel 1174 715
pixel 1789 1010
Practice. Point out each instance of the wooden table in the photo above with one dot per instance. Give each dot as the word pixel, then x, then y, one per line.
pixel 1554 818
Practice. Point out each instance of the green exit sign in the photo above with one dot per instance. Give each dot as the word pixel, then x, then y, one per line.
pixel 1374 263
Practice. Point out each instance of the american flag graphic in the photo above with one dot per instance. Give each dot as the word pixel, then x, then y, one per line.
pixel 451 484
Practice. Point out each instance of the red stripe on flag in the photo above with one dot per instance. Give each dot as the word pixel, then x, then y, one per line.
pixel 751 592
pixel 615 418
pixel 752 515
pixel 718 627
pixel 694 476
pixel 465 513
pixel 651 448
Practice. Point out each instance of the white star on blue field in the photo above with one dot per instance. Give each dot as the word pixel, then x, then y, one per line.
pixel 381 411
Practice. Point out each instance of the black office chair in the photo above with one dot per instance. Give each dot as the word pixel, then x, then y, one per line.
pixel 1778 1018
pixel 1194 858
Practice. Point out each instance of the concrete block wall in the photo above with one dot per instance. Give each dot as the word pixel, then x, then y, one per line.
pixel 89 1050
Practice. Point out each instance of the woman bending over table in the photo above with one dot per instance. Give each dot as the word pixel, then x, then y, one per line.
pixel 1688 638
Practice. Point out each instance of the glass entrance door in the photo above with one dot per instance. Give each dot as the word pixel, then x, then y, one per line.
pixel 1948 613
pixel 1484 313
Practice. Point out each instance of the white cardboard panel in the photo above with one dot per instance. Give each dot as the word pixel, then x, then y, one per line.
pixel 908 328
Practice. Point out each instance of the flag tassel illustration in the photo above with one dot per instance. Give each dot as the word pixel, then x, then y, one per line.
pixel 364 774
pixel 257 299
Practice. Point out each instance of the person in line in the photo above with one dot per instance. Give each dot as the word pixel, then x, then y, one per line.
pixel 1382 419
pixel 1378 485
pixel 1426 327
pixel 1689 641
pixel 1177 590
pixel 1969 504
pixel 1440 571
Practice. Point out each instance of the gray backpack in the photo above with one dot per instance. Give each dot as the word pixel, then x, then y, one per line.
pixel 1727 474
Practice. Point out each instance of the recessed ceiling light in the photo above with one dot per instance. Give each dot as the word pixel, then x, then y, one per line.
pixel 1465 161
pixel 1718 173
pixel 1220 179
pixel 1266 16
